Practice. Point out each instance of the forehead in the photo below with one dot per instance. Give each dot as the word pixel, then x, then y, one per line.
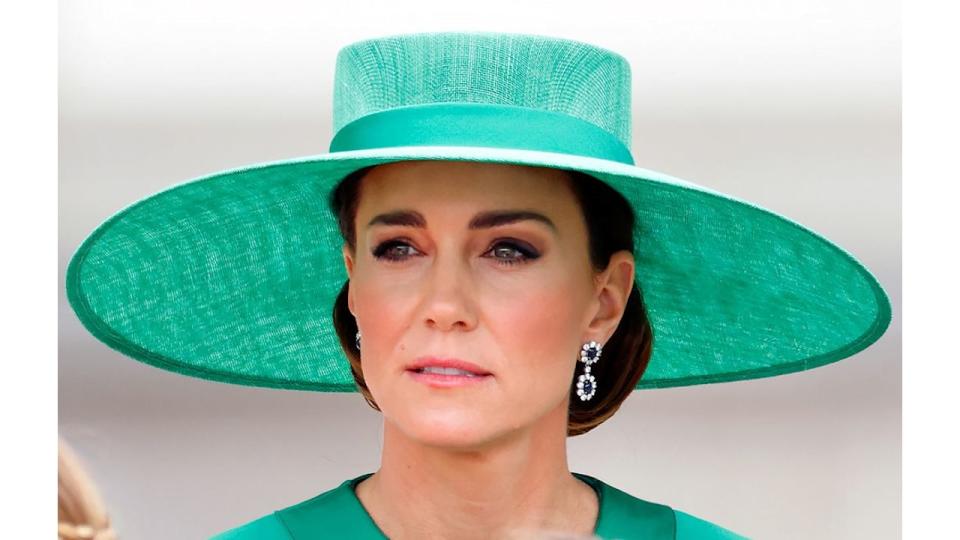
pixel 465 185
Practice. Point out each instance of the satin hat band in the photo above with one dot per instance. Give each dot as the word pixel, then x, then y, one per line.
pixel 480 124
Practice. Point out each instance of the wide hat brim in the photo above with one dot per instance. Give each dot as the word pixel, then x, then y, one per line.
pixel 232 277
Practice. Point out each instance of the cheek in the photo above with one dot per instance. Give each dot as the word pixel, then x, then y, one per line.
pixel 538 332
pixel 382 314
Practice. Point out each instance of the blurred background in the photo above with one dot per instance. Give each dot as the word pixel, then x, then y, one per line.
pixel 794 106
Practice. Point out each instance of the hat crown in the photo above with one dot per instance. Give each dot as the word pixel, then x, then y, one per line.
pixel 538 72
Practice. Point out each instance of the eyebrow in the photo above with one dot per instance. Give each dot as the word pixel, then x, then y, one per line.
pixel 483 220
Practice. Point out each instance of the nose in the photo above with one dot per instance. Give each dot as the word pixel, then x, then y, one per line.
pixel 448 295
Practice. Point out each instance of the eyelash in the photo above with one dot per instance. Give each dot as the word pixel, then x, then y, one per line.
pixel 526 255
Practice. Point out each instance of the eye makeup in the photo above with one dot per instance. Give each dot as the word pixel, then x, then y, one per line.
pixel 385 251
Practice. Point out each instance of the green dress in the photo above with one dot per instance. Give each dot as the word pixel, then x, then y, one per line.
pixel 338 513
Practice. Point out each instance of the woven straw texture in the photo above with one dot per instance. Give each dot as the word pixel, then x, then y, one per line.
pixel 232 277
pixel 578 79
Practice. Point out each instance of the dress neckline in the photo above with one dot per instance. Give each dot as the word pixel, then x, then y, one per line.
pixel 351 487
pixel 338 513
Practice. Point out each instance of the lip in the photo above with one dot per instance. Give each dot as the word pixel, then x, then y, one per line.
pixel 425 361
pixel 438 380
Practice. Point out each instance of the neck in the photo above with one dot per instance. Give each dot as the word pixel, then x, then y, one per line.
pixel 519 482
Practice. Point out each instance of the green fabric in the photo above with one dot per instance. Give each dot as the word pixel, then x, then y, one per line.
pixel 480 124
pixel 695 528
pixel 564 76
pixel 338 513
pixel 268 527
pixel 232 276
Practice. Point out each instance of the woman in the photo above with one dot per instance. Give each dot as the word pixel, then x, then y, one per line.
pixel 506 279
pixel 485 456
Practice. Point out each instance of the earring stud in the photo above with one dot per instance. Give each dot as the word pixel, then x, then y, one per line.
pixel 358 340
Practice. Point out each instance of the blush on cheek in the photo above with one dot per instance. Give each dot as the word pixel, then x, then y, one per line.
pixel 381 309
pixel 378 324
pixel 538 328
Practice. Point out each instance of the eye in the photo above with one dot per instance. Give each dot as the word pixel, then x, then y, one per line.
pixel 526 254
pixel 386 250
pixel 505 253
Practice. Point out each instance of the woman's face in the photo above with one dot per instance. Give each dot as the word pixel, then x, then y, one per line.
pixel 436 274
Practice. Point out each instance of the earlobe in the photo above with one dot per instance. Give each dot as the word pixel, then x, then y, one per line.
pixel 350 300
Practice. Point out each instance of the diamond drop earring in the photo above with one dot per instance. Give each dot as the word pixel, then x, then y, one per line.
pixel 586 383
pixel 358 340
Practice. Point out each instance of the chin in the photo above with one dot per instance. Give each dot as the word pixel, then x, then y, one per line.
pixel 448 429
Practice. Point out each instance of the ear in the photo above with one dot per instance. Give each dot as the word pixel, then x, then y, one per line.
pixel 613 291
pixel 348 263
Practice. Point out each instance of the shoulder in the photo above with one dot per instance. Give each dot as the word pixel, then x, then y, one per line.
pixel 335 513
pixel 268 527
pixel 624 516
pixel 694 528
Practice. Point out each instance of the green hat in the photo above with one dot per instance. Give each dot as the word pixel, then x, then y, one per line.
pixel 233 276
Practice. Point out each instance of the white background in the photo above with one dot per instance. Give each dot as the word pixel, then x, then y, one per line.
pixel 795 106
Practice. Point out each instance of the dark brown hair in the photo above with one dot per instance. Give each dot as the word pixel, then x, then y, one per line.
pixel 610 225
